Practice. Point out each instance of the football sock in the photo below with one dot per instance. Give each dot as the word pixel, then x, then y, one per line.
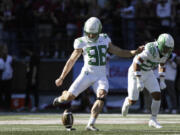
pixel 155 108
pixel 91 121
pixel 126 102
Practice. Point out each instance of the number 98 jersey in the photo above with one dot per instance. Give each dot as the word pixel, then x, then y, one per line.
pixel 94 53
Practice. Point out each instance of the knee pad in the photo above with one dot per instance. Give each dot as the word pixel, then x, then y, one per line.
pixel 101 99
pixel 156 95
pixel 132 102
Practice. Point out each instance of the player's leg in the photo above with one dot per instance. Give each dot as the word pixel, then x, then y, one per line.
pixel 155 106
pixel 133 93
pixel 152 86
pixel 101 88
pixel 96 109
pixel 66 96
pixel 81 83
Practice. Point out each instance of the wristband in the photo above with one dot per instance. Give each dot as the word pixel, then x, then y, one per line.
pixel 137 73
pixel 163 66
pixel 161 74
pixel 138 62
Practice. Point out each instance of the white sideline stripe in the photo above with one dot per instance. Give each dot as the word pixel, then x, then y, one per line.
pixel 84 121
pixel 87 115
pixel 46 118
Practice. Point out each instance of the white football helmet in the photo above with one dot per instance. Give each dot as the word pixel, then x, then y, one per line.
pixel 92 26
pixel 165 43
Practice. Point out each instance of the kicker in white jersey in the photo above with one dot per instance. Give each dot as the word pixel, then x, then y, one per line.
pixel 94 53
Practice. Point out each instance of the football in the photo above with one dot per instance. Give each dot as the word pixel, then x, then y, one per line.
pixel 67 119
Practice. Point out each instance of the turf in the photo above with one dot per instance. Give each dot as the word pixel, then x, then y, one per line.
pixel 50 124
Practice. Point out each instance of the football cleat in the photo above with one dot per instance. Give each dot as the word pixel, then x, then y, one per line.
pixel 70 129
pixel 91 128
pixel 57 101
pixel 125 108
pixel 154 123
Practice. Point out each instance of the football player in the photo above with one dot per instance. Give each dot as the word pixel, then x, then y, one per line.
pixel 93 46
pixel 140 75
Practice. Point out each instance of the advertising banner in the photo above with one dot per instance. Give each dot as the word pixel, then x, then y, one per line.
pixel 118 71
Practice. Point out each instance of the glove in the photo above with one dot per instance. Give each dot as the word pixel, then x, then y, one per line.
pixel 162 83
pixel 140 84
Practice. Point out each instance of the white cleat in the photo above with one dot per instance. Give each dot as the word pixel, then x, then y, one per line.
pixel 154 123
pixel 91 128
pixel 125 109
pixel 70 129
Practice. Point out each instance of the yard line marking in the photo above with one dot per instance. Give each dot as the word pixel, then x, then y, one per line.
pixel 84 121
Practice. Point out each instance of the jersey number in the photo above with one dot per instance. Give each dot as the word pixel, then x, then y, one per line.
pixel 97 55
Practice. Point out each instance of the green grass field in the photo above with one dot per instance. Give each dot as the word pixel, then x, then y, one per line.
pixel 109 124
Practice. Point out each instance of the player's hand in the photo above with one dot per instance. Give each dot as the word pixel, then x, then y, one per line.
pixel 162 83
pixel 139 49
pixel 140 84
pixel 59 82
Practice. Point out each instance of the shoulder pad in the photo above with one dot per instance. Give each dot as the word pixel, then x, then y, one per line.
pixel 104 35
pixel 80 39
pixel 79 43
pixel 151 48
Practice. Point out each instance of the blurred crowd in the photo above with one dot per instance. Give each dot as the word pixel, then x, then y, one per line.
pixel 47 28
pixel 50 26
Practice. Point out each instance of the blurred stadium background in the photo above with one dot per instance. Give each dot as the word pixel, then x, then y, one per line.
pixel 49 27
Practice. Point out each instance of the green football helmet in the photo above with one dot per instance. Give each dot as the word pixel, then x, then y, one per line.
pixel 165 44
pixel 92 26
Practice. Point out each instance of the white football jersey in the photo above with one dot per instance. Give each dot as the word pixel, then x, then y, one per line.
pixel 94 53
pixel 151 57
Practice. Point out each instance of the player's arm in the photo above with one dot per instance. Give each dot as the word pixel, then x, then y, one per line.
pixel 68 66
pixel 137 72
pixel 136 64
pixel 173 60
pixel 162 70
pixel 122 52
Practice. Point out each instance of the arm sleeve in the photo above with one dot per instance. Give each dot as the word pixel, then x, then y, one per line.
pixel 145 54
pixel 107 38
pixel 78 43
